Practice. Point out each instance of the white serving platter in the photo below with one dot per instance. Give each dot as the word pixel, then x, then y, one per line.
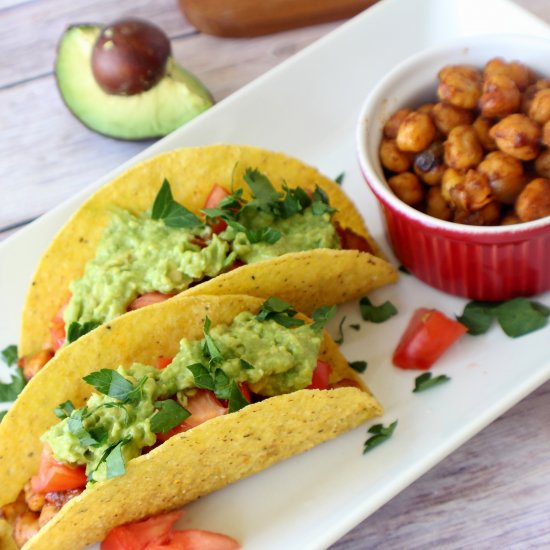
pixel 307 107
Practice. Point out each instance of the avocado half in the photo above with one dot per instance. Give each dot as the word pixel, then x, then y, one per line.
pixel 174 100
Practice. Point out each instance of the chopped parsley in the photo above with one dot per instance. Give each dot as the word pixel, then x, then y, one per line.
pixel 380 433
pixel 169 415
pixel 321 316
pixel 427 380
pixel 355 327
pixel 10 390
pixel 339 179
pixel 279 311
pixel 110 382
pixel 359 366
pixel 376 314
pixel 75 330
pixel 340 339
pixel 9 355
pixel 171 212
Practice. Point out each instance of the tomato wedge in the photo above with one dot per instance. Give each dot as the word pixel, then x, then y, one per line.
pixel 217 194
pixel 196 539
pixel 31 365
pixel 56 476
pixel 148 299
pixel 162 362
pixel 320 377
pixel 428 335
pixel 351 241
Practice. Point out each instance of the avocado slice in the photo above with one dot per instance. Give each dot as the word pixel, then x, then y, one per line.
pixel 174 100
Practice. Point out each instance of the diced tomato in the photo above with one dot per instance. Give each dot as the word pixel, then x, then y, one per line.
pixel 163 362
pixel 234 265
pixel 148 299
pixel 216 195
pixel 31 365
pixel 137 536
pixel 351 241
pixel 203 406
pixel 428 335
pixel 196 539
pixel 57 327
pixel 56 476
pixel 245 391
pixel 321 375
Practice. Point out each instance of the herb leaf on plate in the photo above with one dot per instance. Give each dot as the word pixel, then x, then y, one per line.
pixel 380 433
pixel 376 314
pixel 427 380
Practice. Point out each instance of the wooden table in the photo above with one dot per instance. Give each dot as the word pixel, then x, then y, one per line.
pixel 493 492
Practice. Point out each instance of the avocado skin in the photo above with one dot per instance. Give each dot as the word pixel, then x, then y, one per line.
pixel 177 98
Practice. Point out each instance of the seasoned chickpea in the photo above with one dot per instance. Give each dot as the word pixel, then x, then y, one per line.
pixel 428 164
pixel 407 187
pixel 539 110
pixel 392 158
pixel 530 92
pixel 542 164
pixel 462 148
pixel 518 136
pixel 505 174
pixel 26 526
pixel 426 108
pixel 488 215
pixel 447 116
pixel 35 501
pixel 546 134
pixel 451 178
pixel 510 218
pixel 436 205
pixel 392 125
pixel 518 72
pixel 482 126
pixel 472 193
pixel 416 132
pixel 500 97
pixel 460 85
pixel 534 201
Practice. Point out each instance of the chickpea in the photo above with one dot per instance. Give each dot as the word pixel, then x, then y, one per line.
pixel 427 108
pixel 407 187
pixel 451 178
pixel 447 116
pixel 26 526
pixel 416 132
pixel 530 93
pixel 518 136
pixel 35 501
pixel 546 134
pixel 539 110
pixel 542 164
pixel 488 215
pixel 392 125
pixel 462 148
pixel 392 158
pixel 505 174
pixel 429 165
pixel 482 126
pixel 510 219
pixel 518 72
pixel 473 193
pixel 500 97
pixel 534 201
pixel 460 85
pixel 437 206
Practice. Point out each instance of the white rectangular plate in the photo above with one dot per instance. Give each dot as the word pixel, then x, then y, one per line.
pixel 307 107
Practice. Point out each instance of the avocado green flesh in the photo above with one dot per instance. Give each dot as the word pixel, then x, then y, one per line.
pixel 174 100
pixel 279 360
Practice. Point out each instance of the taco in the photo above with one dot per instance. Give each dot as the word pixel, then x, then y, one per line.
pixel 166 404
pixel 205 220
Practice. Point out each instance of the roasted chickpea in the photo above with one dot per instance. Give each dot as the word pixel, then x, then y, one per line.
pixel 426 108
pixel 505 174
pixel 518 72
pixel 429 165
pixel 472 193
pixel 450 179
pixel 459 85
pixel 534 201
pixel 447 116
pixel 500 97
pixel 488 215
pixel 416 132
pixel 539 110
pixel 530 92
pixel 542 164
pixel 35 501
pixel 462 148
pixel 436 205
pixel 392 158
pixel 392 125
pixel 407 187
pixel 518 136
pixel 25 527
pixel 546 134
pixel 510 219
pixel 482 126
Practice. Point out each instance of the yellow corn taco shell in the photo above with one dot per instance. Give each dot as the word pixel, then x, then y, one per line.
pixel 305 279
pixel 188 465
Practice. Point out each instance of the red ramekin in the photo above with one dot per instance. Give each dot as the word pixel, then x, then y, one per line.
pixel 481 263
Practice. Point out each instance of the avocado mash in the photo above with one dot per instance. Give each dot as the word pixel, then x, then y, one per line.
pixel 138 254
pixel 271 358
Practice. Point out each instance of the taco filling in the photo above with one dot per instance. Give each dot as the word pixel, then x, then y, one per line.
pixel 149 257
pixel 135 408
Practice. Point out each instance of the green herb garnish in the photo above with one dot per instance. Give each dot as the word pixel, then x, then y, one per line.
pixel 245 364
pixel 169 415
pixel 340 339
pixel 376 314
pixel 359 366
pixel 339 179
pixel 210 349
pixel 203 377
pixel 171 212
pixel 320 204
pixel 380 433
pixel 279 311
pixel 114 460
pixel 321 316
pixel 111 383
pixel 355 327
pixel 64 410
pixel 426 381
pixel 10 390
pixel 9 355
pixel 75 330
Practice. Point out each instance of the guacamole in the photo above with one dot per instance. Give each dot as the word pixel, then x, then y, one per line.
pixel 271 358
pixel 138 254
